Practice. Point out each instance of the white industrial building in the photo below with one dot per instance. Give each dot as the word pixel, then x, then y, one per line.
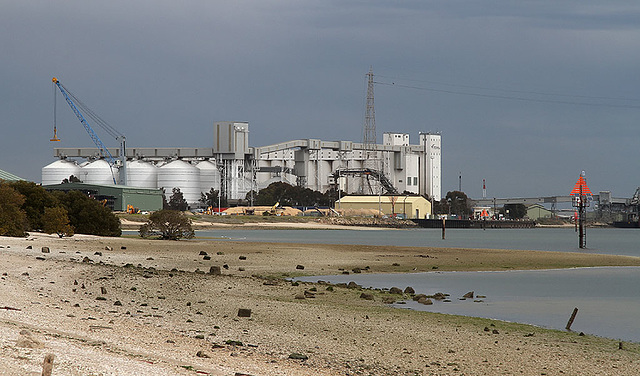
pixel 233 167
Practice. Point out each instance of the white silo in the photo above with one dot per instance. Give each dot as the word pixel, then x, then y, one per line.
pixel 99 172
pixel 142 174
pixel 209 176
pixel 182 175
pixel 59 170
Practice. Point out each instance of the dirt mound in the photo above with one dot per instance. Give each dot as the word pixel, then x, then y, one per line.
pixel 368 222
pixel 259 210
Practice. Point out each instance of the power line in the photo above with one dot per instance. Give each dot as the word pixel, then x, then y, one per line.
pixel 524 99
pixel 512 90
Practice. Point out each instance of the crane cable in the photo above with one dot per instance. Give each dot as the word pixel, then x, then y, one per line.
pixel 103 124
pixel 91 114
pixel 55 128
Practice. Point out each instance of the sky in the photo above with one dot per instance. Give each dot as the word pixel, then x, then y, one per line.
pixel 526 94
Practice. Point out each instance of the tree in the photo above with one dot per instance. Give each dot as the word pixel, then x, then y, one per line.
pixel 36 200
pixel 84 214
pixel 331 196
pixel 168 225
pixel 71 179
pixel 392 200
pixel 88 216
pixel 211 199
pixel 56 220
pixel 13 220
pixel 458 203
pixel 300 196
pixel 177 201
pixel 441 207
pixel 286 194
pixel 515 211
pixel 275 192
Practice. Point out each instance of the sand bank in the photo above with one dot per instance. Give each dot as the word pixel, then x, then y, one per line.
pixel 139 307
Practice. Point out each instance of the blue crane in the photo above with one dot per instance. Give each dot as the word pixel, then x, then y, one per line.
pixel 104 152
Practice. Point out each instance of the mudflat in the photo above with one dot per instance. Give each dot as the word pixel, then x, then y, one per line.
pixel 124 306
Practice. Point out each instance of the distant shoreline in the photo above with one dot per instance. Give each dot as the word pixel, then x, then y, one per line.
pixel 313 224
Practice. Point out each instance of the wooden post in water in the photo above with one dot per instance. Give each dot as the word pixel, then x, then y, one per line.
pixel 443 227
pixel 47 366
pixel 573 317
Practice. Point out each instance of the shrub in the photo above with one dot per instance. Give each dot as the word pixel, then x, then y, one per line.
pixel 168 225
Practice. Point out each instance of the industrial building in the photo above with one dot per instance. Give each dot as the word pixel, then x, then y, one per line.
pixel 116 197
pixel 321 165
pixel 235 169
pixel 536 212
pixel 407 207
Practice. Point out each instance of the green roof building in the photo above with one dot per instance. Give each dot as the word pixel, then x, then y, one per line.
pixel 117 196
pixel 9 177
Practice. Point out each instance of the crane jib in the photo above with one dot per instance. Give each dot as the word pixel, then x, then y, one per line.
pixel 104 152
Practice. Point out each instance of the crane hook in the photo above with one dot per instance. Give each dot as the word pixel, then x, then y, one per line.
pixel 55 129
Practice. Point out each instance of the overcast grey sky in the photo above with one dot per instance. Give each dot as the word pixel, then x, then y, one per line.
pixel 526 93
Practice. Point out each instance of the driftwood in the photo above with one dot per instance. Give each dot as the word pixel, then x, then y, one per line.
pixel 573 317
pixel 10 308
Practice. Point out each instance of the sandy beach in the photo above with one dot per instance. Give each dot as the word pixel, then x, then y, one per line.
pixel 124 306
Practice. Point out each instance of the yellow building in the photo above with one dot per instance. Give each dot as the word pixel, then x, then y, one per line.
pixel 409 207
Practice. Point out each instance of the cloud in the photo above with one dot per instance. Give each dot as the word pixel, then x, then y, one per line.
pixel 162 72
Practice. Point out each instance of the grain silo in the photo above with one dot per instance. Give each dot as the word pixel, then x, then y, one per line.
pixel 59 170
pixel 99 172
pixel 183 175
pixel 209 176
pixel 142 174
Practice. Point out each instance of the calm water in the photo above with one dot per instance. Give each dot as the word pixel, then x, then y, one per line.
pixel 599 240
pixel 608 299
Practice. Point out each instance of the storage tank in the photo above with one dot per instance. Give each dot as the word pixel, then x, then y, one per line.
pixel 99 172
pixel 209 176
pixel 59 170
pixel 142 174
pixel 182 175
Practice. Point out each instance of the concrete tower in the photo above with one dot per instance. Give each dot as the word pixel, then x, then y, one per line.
pixel 431 165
